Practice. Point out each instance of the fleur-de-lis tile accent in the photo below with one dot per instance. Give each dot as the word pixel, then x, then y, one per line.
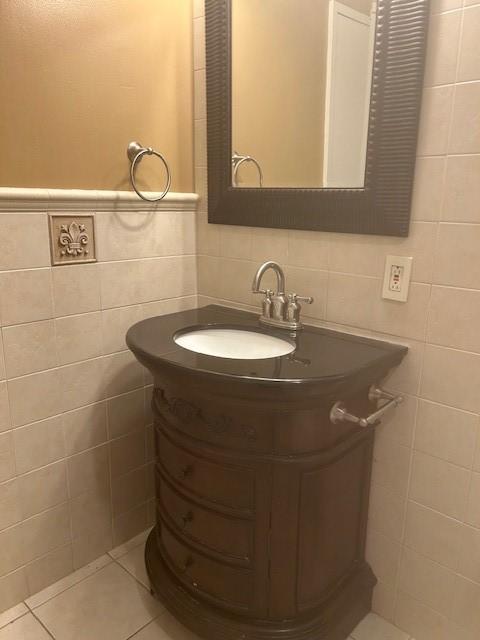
pixel 72 238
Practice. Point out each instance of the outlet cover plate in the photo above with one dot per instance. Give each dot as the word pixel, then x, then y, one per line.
pixel 397 290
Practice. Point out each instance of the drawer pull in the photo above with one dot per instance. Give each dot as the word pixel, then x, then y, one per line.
pixel 186 471
pixel 186 566
pixel 188 517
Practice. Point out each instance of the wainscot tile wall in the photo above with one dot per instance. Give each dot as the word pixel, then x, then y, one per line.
pixel 75 434
pixel 424 533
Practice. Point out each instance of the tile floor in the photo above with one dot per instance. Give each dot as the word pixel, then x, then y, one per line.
pixel 109 600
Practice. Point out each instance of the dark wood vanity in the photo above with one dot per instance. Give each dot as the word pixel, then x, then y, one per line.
pixel 262 501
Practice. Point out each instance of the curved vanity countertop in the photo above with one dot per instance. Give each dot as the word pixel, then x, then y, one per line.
pixel 321 356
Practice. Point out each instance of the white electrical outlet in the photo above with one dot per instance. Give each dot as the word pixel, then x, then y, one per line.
pixel 396 279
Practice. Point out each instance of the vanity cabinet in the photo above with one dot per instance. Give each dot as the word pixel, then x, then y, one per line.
pixel 261 500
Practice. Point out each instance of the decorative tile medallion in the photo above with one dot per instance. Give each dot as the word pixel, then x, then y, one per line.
pixel 72 238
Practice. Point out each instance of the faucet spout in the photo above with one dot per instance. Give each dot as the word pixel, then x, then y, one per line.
pixel 278 272
pixel 279 310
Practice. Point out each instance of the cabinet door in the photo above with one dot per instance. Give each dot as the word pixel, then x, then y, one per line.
pixel 332 522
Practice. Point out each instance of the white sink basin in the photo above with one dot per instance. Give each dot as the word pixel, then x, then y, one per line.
pixel 234 343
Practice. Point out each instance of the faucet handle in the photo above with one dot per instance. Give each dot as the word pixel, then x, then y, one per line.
pixel 294 308
pixel 263 291
pixel 306 299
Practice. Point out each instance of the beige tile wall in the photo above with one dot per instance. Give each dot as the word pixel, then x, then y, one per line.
pixel 424 533
pixel 75 433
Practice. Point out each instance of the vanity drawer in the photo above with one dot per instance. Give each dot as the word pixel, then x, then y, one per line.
pixel 221 484
pixel 228 536
pixel 219 581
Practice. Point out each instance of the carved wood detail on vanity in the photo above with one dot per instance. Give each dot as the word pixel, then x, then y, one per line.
pixel 192 416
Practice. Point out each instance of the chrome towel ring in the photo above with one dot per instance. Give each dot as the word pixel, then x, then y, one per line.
pixel 135 153
pixel 238 160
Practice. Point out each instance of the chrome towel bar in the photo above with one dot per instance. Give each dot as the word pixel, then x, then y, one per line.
pixel 135 153
pixel 339 411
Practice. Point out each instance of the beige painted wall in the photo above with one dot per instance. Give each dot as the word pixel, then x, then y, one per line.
pixel 278 98
pixel 279 67
pixel 424 525
pixel 79 79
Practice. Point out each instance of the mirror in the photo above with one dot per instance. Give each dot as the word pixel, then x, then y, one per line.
pixel 312 112
pixel 301 80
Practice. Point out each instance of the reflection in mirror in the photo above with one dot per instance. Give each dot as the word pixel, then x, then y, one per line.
pixel 301 80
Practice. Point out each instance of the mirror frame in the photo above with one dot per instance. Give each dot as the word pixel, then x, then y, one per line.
pixel 383 205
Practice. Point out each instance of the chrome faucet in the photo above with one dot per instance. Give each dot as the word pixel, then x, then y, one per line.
pixel 278 309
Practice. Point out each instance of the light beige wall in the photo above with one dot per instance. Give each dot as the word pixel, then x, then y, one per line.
pixel 424 530
pixel 76 472
pixel 79 79
pixel 278 100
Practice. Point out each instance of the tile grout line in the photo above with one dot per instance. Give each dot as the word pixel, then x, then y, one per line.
pixel 115 308
pixel 41 624
pixel 31 608
pixel 405 506
pixel 51 267
pixel 111 560
pixel 73 584
pixel 78 453
pixel 14 617
pixel 162 612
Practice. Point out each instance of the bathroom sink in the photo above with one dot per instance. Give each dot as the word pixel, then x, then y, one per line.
pixel 238 344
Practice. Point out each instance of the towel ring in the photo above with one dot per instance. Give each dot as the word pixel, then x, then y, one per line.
pixel 238 160
pixel 135 153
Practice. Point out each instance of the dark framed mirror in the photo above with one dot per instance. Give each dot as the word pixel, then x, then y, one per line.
pixel 312 112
